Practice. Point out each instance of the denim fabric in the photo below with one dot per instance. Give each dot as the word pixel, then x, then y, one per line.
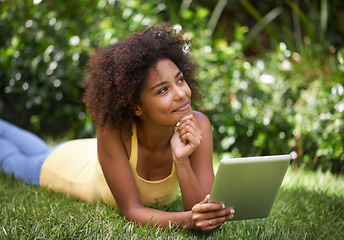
pixel 21 153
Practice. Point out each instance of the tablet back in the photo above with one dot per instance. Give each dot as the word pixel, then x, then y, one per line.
pixel 249 185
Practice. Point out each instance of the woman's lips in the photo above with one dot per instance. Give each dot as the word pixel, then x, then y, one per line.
pixel 182 107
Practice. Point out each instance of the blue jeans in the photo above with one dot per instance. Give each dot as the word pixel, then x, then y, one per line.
pixel 21 153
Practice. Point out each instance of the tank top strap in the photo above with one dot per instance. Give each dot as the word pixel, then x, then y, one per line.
pixel 134 147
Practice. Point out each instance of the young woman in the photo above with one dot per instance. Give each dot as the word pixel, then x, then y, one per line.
pixel 150 143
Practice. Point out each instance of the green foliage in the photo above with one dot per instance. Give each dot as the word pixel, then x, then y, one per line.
pixel 42 59
pixel 317 112
pixel 43 49
pixel 311 28
pixel 275 105
pixel 288 99
pixel 310 205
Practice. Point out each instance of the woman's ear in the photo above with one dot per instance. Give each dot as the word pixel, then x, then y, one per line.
pixel 138 111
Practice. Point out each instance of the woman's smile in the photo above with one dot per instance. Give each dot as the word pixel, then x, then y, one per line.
pixel 166 96
pixel 183 107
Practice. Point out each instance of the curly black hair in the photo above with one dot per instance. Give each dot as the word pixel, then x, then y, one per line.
pixel 116 74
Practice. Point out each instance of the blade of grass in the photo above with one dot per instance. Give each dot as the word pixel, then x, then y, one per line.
pixel 173 12
pixel 286 27
pixel 267 19
pixel 184 6
pixel 310 205
pixel 323 19
pixel 288 37
pixel 215 15
pixel 310 28
pixel 296 13
pixel 261 20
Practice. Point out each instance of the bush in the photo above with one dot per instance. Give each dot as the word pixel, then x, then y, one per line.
pixel 273 104
pixel 44 46
pixel 280 104
pixel 286 101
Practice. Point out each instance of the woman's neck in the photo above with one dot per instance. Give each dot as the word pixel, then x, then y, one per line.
pixel 154 137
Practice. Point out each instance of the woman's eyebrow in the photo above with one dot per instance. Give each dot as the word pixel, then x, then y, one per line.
pixel 158 85
pixel 164 82
pixel 178 73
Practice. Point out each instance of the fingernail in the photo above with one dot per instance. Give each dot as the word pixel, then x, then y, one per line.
pixel 223 206
pixel 232 211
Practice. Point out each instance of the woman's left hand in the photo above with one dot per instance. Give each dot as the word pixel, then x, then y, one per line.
pixel 188 137
pixel 208 216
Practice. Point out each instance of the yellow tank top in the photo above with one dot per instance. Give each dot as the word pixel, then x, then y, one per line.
pixel 73 169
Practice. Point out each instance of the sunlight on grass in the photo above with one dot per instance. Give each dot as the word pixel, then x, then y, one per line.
pixel 309 205
pixel 315 181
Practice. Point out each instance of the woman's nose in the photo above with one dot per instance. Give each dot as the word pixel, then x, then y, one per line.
pixel 179 93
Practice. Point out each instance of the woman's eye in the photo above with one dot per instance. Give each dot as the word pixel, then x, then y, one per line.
pixel 181 79
pixel 162 90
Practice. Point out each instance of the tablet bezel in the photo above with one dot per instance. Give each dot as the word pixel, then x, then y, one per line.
pixel 250 184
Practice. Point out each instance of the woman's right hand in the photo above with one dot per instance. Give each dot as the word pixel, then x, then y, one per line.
pixel 185 141
pixel 208 216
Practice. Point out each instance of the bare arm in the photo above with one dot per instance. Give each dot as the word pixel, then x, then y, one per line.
pixel 192 152
pixel 117 171
pixel 192 149
pixel 115 164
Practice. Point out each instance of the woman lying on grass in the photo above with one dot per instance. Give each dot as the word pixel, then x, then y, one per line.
pixel 149 141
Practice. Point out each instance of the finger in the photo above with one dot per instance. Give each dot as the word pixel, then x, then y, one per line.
pixel 185 118
pixel 189 118
pixel 212 223
pixel 209 225
pixel 190 139
pixel 190 127
pixel 189 121
pixel 209 228
pixel 208 207
pixel 198 216
pixel 206 199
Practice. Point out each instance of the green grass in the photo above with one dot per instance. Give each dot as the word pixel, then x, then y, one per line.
pixel 310 205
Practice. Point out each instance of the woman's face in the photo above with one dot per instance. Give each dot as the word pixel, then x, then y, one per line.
pixel 166 97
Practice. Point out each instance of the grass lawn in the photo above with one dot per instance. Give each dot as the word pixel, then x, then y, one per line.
pixel 310 205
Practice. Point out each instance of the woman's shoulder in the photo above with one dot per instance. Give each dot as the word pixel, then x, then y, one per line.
pixel 114 139
pixel 117 134
pixel 201 118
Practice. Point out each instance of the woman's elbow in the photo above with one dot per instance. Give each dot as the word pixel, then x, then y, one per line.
pixel 131 213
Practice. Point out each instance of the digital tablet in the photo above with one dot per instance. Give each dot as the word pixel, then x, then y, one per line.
pixel 250 184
